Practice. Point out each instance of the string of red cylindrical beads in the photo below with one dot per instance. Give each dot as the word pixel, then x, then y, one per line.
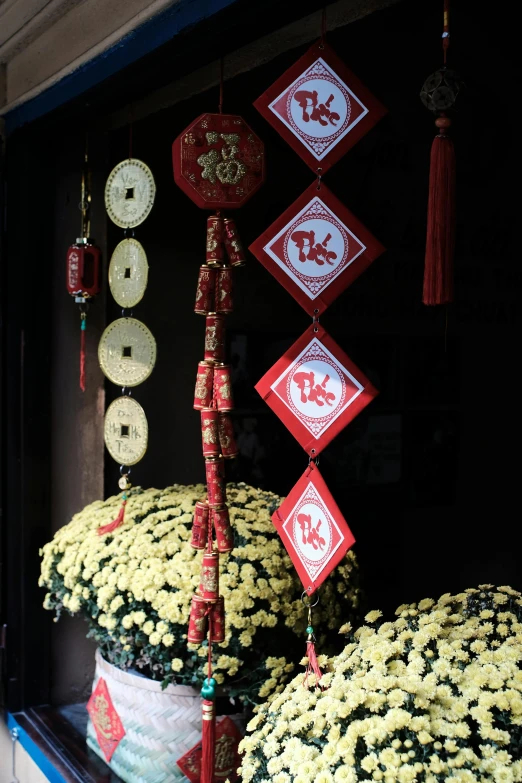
pixel 211 529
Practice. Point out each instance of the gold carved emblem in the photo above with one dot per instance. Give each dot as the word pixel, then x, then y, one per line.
pixel 212 342
pixel 225 391
pixel 225 755
pixel 127 352
pixel 209 579
pixel 201 385
pixel 126 431
pixel 128 273
pixel 129 193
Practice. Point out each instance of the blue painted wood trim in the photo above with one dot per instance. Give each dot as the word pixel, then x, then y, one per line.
pixel 145 39
pixel 39 758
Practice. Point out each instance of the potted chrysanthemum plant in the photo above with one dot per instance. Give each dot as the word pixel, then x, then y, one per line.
pixel 434 696
pixel 134 587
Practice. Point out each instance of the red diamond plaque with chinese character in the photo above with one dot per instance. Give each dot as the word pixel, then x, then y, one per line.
pixel 228 738
pixel 218 161
pixel 313 530
pixel 106 721
pixel 315 389
pixel 316 249
pixel 320 107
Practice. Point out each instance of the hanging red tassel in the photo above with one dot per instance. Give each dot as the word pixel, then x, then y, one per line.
pixel 82 352
pixel 312 666
pixel 440 238
pixel 116 522
pixel 208 741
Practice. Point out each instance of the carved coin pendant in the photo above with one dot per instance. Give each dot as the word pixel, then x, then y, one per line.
pixel 127 352
pixel 126 431
pixel 128 273
pixel 129 193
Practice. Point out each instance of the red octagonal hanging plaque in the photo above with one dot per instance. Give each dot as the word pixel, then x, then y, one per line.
pixel 313 530
pixel 320 107
pixel 218 161
pixel 316 249
pixel 315 389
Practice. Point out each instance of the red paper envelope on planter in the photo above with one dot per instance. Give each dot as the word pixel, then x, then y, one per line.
pixel 228 738
pixel 320 107
pixel 313 530
pixel 106 721
pixel 316 249
pixel 315 389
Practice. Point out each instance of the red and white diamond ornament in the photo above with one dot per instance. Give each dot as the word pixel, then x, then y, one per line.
pixel 313 530
pixel 320 107
pixel 315 389
pixel 316 249
pixel 106 721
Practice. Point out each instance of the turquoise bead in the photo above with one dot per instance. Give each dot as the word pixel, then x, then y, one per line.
pixel 212 682
pixel 309 630
pixel 208 692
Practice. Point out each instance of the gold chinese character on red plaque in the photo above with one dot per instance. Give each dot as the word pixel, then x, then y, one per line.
pixel 106 721
pixel 218 161
pixel 227 761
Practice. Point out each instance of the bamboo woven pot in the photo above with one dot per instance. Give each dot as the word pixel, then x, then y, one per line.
pixel 160 726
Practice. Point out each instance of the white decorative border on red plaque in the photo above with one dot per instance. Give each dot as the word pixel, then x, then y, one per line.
pixel 314 427
pixel 311 497
pixel 313 286
pixel 308 494
pixel 319 70
pixel 315 351
pixel 335 100
pixel 313 290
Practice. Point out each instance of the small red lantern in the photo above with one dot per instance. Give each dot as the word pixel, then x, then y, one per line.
pixel 83 269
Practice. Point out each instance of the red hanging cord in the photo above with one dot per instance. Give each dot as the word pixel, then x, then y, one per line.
pixel 82 351
pixel 208 709
pixel 445 30
pixel 323 26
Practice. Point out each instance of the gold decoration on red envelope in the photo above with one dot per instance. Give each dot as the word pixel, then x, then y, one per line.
pixel 106 721
pixel 228 738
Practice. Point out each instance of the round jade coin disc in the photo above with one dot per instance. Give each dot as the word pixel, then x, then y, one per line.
pixel 126 431
pixel 128 273
pixel 127 352
pixel 129 193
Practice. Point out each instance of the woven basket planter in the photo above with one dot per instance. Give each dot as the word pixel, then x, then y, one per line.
pixel 160 726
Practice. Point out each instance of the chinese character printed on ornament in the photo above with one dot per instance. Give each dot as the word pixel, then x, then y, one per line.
pixel 316 248
pixel 315 389
pixel 106 721
pixel 319 107
pixel 312 529
pixel 218 161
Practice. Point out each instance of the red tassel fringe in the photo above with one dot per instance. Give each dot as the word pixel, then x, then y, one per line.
pixel 313 666
pixel 440 238
pixel 208 742
pixel 115 523
pixel 82 359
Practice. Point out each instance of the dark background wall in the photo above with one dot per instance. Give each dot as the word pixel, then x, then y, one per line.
pixel 427 475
